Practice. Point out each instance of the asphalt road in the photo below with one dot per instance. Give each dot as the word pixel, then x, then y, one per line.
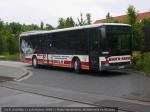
pixel 126 84
pixel 126 89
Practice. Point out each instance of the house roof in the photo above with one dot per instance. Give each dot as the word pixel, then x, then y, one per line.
pixel 140 16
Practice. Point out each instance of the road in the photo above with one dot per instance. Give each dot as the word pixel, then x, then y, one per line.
pixel 125 83
pixel 126 89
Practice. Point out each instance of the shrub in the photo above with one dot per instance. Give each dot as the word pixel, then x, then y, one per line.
pixel 141 62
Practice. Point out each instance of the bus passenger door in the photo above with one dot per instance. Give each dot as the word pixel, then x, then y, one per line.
pixel 45 55
pixel 49 49
pixel 93 48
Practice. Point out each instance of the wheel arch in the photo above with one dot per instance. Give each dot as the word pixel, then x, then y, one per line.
pixel 73 60
pixel 34 56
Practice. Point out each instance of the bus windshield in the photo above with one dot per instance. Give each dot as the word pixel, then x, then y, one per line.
pixel 118 39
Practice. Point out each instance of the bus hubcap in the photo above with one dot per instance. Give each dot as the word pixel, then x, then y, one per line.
pixel 34 62
pixel 75 65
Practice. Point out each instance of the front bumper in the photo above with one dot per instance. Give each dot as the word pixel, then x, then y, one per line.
pixel 115 67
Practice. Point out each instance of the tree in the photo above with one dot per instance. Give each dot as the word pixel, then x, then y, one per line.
pixel 65 23
pixel 81 21
pixel 84 21
pixel 4 35
pixel 1 24
pixel 132 15
pixel 69 22
pixel 49 27
pixel 88 18
pixel 42 25
pixel 25 27
pixel 11 45
pixel 61 23
pixel 1 45
pixel 15 27
pixel 145 22
pixel 136 27
pixel 109 18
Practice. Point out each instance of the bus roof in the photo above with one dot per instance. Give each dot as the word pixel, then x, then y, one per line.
pixel 71 28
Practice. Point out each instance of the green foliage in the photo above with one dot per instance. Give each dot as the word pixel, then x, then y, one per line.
pixel 65 23
pixel 69 22
pixel 136 28
pixel 88 18
pixel 11 45
pixel 9 34
pixel 145 22
pixel 141 62
pixel 1 45
pixel 25 28
pixel 81 21
pixel 15 27
pixel 138 36
pixel 1 24
pixel 61 23
pixel 84 21
pixel 109 18
pixel 42 25
pixel 132 15
pixel 49 27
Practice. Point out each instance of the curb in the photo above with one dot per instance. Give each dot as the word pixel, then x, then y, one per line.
pixel 25 74
pixel 4 78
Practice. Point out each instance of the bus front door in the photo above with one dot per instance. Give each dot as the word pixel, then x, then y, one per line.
pixel 93 49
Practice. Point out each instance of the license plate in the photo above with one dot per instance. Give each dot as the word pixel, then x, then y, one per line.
pixel 120 67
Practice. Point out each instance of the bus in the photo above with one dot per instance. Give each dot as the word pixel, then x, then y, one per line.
pixel 105 46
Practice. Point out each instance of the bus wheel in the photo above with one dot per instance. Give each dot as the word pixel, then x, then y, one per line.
pixel 77 66
pixel 34 62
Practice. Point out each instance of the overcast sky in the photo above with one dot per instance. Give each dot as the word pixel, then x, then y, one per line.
pixel 48 11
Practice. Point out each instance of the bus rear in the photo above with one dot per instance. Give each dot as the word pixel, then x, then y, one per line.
pixel 115 47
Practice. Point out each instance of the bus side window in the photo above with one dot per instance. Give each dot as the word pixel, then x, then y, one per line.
pixel 49 43
pixel 83 42
pixel 94 41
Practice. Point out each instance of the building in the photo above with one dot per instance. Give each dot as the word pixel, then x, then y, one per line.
pixel 122 18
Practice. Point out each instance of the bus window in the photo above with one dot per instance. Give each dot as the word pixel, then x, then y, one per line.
pixel 93 34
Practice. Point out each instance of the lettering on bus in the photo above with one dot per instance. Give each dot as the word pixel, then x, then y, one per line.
pixel 119 58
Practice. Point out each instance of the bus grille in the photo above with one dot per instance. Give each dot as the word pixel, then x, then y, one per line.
pixel 119 63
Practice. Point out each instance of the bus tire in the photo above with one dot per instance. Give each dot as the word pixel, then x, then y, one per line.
pixel 77 66
pixel 35 62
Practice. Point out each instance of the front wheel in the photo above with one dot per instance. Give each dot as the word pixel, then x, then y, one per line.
pixel 34 62
pixel 77 66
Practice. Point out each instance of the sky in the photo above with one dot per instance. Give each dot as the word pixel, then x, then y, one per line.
pixel 49 11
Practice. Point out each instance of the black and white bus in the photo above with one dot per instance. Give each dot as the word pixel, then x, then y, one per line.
pixel 105 46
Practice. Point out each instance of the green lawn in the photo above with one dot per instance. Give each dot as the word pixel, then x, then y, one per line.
pixel 14 57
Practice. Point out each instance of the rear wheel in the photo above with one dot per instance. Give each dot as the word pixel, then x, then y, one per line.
pixel 35 62
pixel 77 66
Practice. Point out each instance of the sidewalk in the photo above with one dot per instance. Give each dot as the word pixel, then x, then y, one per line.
pixel 10 72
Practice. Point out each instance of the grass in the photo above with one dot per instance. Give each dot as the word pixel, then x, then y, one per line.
pixel 12 57
pixel 141 62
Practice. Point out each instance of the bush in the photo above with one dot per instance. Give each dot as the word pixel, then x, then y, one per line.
pixel 141 62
